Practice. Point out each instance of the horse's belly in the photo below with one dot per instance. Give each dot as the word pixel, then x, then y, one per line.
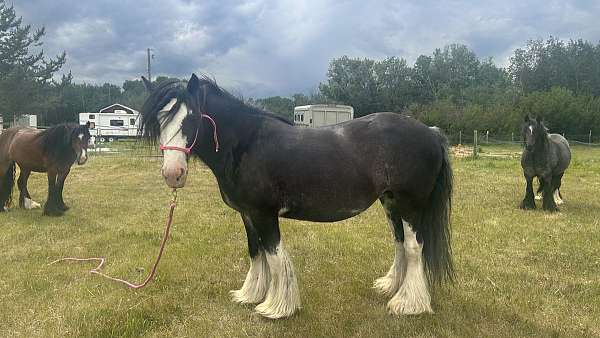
pixel 328 205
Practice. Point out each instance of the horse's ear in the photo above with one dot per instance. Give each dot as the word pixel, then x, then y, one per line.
pixel 527 119
pixel 147 84
pixel 539 119
pixel 193 85
pixel 87 124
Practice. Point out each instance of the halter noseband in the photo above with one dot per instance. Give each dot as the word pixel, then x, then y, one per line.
pixel 188 150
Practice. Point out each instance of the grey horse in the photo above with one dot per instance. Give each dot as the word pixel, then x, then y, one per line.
pixel 547 157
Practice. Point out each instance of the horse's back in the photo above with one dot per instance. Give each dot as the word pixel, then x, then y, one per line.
pixel 20 144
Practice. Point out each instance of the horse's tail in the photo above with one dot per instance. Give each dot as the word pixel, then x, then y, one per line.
pixel 6 186
pixel 435 222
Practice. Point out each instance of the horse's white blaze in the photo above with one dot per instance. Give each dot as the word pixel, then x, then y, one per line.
pixel 174 161
pixel 256 285
pixel 80 137
pixel 283 297
pixel 557 198
pixel 413 295
pixel 31 204
pixel 531 129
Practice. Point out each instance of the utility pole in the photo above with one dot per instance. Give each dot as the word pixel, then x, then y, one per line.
pixel 149 50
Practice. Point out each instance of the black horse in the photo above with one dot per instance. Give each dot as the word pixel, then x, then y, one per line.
pixel 268 168
pixel 546 156
pixel 53 151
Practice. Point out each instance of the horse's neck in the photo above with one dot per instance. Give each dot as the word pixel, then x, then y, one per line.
pixel 232 130
pixel 541 150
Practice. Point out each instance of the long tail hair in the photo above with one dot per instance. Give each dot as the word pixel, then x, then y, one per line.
pixel 434 223
pixel 6 186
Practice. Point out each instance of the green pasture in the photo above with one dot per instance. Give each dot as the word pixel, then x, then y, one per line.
pixel 519 273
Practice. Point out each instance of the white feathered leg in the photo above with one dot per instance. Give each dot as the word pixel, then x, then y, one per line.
pixel 389 284
pixel 256 285
pixel 283 298
pixel 413 295
pixel 557 198
pixel 31 204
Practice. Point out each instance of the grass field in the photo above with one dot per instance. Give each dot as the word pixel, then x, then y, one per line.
pixel 519 273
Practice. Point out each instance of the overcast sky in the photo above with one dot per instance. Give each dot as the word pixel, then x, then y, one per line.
pixel 264 48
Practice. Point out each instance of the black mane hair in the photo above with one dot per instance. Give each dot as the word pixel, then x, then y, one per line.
pixel 170 89
pixel 57 140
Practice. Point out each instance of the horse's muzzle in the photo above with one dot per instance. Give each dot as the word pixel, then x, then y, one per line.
pixel 175 176
pixel 82 158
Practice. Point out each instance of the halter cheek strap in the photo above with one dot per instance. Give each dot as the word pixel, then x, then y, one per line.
pixel 188 150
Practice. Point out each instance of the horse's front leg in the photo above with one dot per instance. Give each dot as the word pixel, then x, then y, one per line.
pixel 60 183
pixel 52 204
pixel 528 201
pixel 548 195
pixel 25 200
pixel 257 280
pixel 282 298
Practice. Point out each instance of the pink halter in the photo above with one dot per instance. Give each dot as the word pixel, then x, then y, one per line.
pixel 188 150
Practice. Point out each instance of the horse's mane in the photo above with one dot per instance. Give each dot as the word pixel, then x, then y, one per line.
pixel 56 141
pixel 170 89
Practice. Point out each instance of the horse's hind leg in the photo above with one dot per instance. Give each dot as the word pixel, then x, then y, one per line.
pixel 257 280
pixel 283 298
pixel 389 284
pixel 556 183
pixel 6 184
pixel 538 195
pixel 413 295
pixel 25 200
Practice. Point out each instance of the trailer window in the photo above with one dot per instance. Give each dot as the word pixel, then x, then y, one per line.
pixel 132 122
pixel 116 123
pixel 92 116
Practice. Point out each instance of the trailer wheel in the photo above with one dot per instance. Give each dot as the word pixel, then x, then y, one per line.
pixel 111 139
pixel 102 139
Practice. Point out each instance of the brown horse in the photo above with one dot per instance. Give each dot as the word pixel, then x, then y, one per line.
pixel 52 151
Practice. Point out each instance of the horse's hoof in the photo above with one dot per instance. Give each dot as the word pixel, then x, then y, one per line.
pixel 527 206
pixel 65 207
pixel 552 210
pixel 53 212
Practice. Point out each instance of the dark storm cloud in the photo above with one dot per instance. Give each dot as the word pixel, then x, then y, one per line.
pixel 262 48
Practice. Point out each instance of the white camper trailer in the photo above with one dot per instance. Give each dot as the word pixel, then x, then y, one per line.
pixel 318 115
pixel 111 123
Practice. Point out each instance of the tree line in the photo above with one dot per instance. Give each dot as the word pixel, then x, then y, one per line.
pixel 452 88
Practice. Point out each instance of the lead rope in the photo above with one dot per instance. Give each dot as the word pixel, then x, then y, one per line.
pixel 97 271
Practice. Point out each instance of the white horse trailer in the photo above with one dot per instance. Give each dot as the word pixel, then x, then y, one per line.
pixel 113 122
pixel 27 120
pixel 318 115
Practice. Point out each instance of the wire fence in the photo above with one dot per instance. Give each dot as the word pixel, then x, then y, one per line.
pixel 485 137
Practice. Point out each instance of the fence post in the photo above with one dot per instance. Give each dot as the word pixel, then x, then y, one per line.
pixel 460 137
pixel 474 143
pixel 512 137
pixel 487 136
pixel 590 138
